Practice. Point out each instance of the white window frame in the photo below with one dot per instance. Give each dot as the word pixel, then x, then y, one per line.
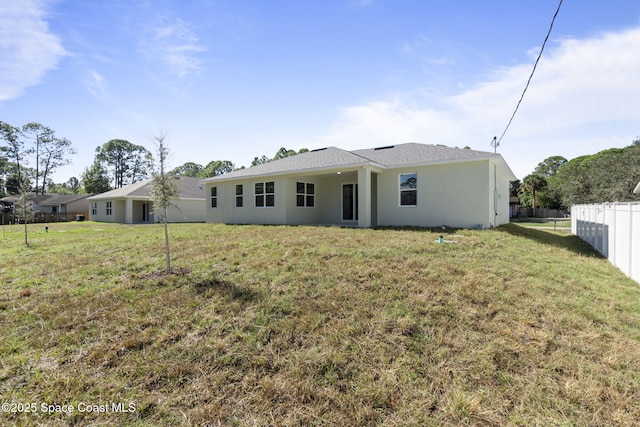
pixel 402 190
pixel 239 196
pixel 109 208
pixel 94 208
pixel 213 204
pixel 264 195
pixel 306 195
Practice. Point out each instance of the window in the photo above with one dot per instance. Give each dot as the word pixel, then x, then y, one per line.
pixel 305 194
pixel 214 197
pixel 109 208
pixel 265 194
pixel 408 189
pixel 94 208
pixel 239 200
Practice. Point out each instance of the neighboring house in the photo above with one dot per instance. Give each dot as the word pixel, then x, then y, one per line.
pixel 66 203
pixel 132 204
pixel 35 199
pixel 403 185
pixel 52 203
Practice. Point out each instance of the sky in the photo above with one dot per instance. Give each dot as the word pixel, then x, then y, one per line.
pixel 238 79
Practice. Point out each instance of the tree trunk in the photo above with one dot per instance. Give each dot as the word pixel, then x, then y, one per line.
pixel 166 240
pixel 26 235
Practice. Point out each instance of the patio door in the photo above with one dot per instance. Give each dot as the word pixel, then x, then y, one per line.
pixel 145 212
pixel 350 202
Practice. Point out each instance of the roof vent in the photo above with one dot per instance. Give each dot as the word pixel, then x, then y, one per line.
pixel 384 148
pixel 318 149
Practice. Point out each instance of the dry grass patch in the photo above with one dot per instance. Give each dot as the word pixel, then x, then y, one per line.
pixel 318 326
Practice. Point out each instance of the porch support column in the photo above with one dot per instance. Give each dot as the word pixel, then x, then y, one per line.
pixel 128 211
pixel 364 197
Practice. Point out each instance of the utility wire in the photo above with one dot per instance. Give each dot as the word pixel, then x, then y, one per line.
pixel 530 77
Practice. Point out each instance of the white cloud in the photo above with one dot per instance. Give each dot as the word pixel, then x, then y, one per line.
pixel 584 97
pixel 27 46
pixel 175 44
pixel 97 85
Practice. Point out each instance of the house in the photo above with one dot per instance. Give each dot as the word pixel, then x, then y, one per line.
pixel 36 201
pixel 398 185
pixel 132 204
pixel 66 203
pixel 52 203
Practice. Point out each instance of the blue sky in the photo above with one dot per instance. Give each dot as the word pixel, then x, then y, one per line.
pixel 236 79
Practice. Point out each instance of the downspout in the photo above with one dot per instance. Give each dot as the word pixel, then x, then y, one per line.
pixel 495 196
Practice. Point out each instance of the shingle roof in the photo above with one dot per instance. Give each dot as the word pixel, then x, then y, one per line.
pixel 188 188
pixel 413 153
pixel 63 199
pixel 324 158
pixel 385 157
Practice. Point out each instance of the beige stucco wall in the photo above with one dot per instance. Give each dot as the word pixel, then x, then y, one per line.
pixel 118 211
pixel 191 211
pixel 227 212
pixel 457 195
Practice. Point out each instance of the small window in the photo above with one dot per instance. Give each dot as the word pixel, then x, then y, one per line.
pixel 239 196
pixel 265 194
pixel 305 194
pixel 409 189
pixel 109 208
pixel 94 208
pixel 214 197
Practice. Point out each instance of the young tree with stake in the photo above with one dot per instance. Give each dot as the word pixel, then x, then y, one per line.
pixel 164 191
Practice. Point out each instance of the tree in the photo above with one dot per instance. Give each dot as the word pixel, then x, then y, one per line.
pixel 550 166
pixel 94 179
pixel 24 207
pixel 39 135
pixel 188 169
pixel 217 167
pixel 283 152
pixel 280 154
pixel 15 147
pixel 514 188
pixel 531 185
pixel 72 186
pixel 607 176
pixel 164 191
pixel 4 171
pixel 259 161
pixel 129 163
pixel 50 151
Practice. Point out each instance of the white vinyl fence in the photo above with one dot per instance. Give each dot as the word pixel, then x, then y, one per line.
pixel 613 229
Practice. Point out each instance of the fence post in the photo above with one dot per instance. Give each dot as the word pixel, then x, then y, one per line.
pixel 630 271
pixel 613 253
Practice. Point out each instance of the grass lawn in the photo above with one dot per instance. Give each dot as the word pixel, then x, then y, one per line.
pixel 561 224
pixel 277 325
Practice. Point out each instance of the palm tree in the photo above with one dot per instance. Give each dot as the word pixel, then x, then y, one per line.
pixel 532 184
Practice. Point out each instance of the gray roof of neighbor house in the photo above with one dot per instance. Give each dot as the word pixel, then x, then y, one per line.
pixel 63 199
pixel 392 156
pixel 188 188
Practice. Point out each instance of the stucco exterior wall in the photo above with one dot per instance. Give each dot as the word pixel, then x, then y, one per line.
pixel 192 211
pixel 455 195
pixel 227 212
pixel 117 209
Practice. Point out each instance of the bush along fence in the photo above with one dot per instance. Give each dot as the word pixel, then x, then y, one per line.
pixel 613 229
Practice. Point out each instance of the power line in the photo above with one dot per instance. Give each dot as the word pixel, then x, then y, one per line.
pixel 495 143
